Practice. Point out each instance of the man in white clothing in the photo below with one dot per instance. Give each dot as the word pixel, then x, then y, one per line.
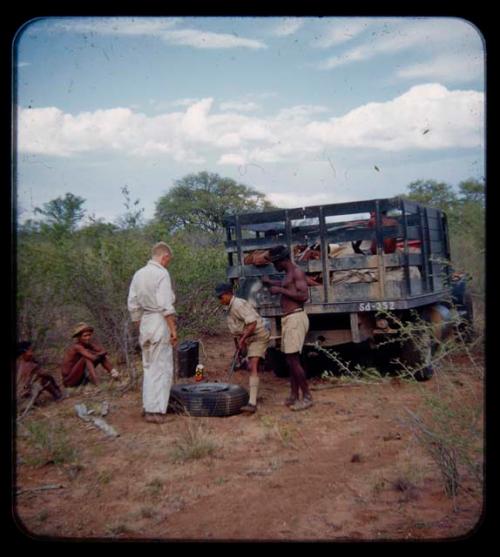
pixel 151 306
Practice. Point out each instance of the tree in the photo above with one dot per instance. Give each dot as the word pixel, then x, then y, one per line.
pixel 134 215
pixel 63 213
pixel 200 201
pixel 472 191
pixel 435 194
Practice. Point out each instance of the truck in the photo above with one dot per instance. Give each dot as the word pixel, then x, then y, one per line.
pixel 372 267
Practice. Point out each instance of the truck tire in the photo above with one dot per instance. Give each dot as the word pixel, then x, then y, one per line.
pixel 466 327
pixel 207 399
pixel 414 355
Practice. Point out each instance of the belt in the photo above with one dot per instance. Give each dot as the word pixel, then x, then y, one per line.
pixel 294 311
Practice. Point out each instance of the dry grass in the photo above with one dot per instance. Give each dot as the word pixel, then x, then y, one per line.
pixel 195 442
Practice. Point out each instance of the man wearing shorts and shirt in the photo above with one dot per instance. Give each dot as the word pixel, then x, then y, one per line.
pixel 250 335
pixel 294 322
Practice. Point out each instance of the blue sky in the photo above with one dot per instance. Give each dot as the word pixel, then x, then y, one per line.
pixel 302 109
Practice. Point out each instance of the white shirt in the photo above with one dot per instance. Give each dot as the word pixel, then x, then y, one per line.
pixel 151 292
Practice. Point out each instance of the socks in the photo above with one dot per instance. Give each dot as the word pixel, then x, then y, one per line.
pixel 254 387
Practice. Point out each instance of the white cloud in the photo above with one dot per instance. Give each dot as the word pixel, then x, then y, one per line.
pixel 124 26
pixel 288 27
pixel 185 102
pixel 400 35
pixel 450 68
pixel 448 118
pixel 239 106
pixel 160 27
pixel 207 39
pixel 425 117
pixel 292 200
pixel 340 32
pixel 232 159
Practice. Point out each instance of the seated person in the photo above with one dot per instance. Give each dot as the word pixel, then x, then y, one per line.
pixel 81 359
pixel 29 374
pixel 390 242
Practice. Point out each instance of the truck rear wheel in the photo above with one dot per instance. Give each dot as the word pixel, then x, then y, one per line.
pixel 417 356
pixel 418 351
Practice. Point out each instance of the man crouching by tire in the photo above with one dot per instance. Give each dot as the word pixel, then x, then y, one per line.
pixel 250 334
pixel 151 307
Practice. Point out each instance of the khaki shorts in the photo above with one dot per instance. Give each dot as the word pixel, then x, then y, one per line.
pixel 257 345
pixel 294 328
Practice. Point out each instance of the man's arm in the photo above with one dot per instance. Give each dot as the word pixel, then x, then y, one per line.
pixel 247 331
pixel 297 291
pixel 270 282
pixel 172 325
pixel 134 308
pixel 87 354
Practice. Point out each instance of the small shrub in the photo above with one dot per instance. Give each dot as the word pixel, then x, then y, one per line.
pixel 195 443
pixel 49 443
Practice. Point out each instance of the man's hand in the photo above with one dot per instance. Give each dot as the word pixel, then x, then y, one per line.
pixel 242 345
pixel 173 338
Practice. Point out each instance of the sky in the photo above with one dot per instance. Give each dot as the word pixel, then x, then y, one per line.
pixel 307 110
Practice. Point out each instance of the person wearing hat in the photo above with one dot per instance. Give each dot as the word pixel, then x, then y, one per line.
pixel 29 373
pixel 250 335
pixel 294 322
pixel 150 303
pixel 82 357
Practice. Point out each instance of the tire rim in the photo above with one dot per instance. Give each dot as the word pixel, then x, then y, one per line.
pixel 205 388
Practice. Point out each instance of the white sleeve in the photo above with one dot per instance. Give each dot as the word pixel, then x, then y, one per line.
pixel 134 307
pixel 165 296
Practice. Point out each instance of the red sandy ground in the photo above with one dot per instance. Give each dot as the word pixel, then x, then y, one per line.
pixel 346 469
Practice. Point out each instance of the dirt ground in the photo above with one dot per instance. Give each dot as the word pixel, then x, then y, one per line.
pixel 346 469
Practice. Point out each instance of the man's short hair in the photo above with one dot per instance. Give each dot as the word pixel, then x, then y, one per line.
pixel 279 253
pixel 161 248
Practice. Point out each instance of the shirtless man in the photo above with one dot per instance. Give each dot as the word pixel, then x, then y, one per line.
pixel 294 322
pixel 30 374
pixel 80 359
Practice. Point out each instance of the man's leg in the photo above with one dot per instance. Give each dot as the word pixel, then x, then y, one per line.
pixel 299 376
pixel 76 375
pixel 254 385
pixel 48 384
pixel 158 376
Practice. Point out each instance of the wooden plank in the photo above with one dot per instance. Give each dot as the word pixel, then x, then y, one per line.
pixel 324 256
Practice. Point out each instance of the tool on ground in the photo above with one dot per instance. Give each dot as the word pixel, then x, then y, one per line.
pixel 234 362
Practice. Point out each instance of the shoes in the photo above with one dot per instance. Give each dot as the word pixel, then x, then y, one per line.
pixel 302 404
pixel 290 401
pixel 155 418
pixel 249 408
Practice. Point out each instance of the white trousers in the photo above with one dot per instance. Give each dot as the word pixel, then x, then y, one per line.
pixel 157 362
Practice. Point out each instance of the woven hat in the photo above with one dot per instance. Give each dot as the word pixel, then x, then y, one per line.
pixel 279 253
pixel 80 328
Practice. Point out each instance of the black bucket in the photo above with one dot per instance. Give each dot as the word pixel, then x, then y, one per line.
pixel 187 358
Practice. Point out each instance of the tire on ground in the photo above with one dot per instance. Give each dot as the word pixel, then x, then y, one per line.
pixel 207 399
